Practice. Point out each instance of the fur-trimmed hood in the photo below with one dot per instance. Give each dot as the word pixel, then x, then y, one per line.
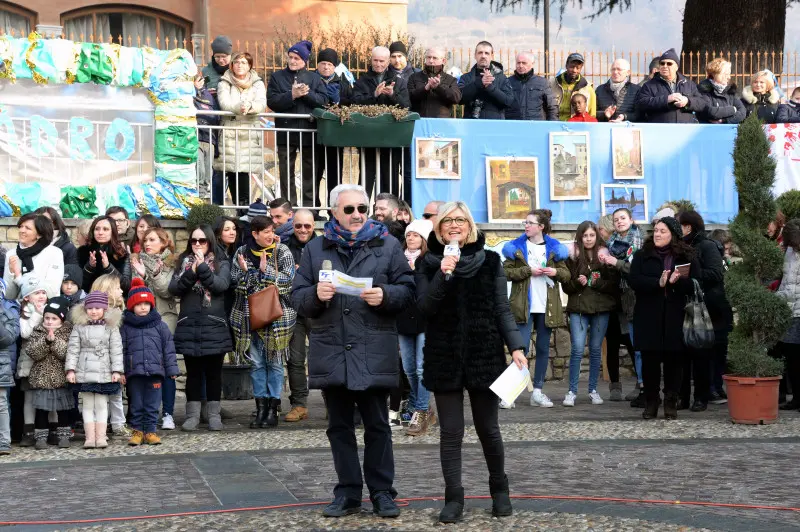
pixel 113 316
pixel 555 250
pixel 706 87
pixel 750 98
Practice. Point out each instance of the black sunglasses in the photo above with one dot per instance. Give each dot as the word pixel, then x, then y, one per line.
pixel 201 241
pixel 303 226
pixel 350 208
pixel 428 215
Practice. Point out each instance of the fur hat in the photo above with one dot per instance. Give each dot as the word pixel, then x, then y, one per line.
pixel 222 45
pixel 398 46
pixel 422 227
pixel 328 54
pixel 96 299
pixel 302 48
pixel 139 293
pixel 58 306
pixel 30 283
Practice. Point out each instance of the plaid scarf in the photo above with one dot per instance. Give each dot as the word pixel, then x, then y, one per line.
pixel 348 239
pixel 198 286
pixel 634 241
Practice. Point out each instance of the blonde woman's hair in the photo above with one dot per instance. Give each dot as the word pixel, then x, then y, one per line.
pixel 449 207
pixel 717 66
pixel 607 222
pixel 110 283
pixel 767 75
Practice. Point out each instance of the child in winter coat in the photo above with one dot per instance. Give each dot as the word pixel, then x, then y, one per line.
pixel 47 348
pixel 71 285
pixel 149 359
pixel 94 363
pixel 9 331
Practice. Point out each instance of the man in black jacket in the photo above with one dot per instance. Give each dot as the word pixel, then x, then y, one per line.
pixel 433 92
pixel 534 99
pixel 617 96
pixel 296 90
pixel 485 91
pixel 669 97
pixel 381 86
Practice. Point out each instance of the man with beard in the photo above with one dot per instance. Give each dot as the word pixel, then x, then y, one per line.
pixel 485 91
pixel 433 92
pixel 534 99
pixel 569 82
pixel 386 207
pixel 221 47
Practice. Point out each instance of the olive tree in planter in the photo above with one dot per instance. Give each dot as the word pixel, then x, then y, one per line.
pixel 763 317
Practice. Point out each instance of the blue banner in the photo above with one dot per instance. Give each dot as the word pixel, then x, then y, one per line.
pixel 691 162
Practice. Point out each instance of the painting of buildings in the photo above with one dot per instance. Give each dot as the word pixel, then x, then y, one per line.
pixel 569 166
pixel 626 146
pixel 438 158
pixel 631 197
pixel 512 187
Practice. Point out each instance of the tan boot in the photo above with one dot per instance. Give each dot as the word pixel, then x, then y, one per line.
pixel 419 424
pixel 136 439
pixel 297 413
pixel 151 438
pixel 101 439
pixel 88 429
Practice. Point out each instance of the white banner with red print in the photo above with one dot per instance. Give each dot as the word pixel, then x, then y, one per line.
pixel 784 142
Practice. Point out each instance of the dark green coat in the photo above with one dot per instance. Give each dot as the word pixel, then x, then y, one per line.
pixel 600 297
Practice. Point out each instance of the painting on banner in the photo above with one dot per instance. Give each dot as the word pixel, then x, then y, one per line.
pixel 626 147
pixel 569 166
pixel 512 187
pixel 631 197
pixel 438 158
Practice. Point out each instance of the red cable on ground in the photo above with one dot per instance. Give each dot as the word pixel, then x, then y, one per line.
pixel 404 502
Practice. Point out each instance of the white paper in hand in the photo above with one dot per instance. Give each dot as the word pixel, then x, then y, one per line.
pixel 510 384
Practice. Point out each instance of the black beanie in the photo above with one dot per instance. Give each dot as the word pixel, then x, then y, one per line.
pixel 329 55
pixel 673 225
pixel 398 46
pixel 73 272
pixel 58 306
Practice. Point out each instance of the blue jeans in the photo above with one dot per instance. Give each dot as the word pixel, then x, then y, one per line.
pixel 542 345
pixel 144 398
pixel 168 391
pixel 266 374
pixel 5 420
pixel 411 353
pixel 637 358
pixel 580 326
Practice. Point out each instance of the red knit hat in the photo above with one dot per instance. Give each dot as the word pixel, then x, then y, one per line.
pixel 139 293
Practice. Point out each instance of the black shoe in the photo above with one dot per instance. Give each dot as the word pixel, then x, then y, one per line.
pixel 640 401
pixel 717 398
pixel 670 407
pixel 501 501
pixel 28 439
pixel 272 413
pixel 453 509
pixel 342 506
pixel 261 413
pixel 383 505
pixel 699 406
pixel 52 435
pixel 651 410
pixel 683 404
pixel 794 404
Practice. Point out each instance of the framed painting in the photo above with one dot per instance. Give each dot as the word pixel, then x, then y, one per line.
pixel 512 187
pixel 631 197
pixel 438 158
pixel 570 177
pixel 626 150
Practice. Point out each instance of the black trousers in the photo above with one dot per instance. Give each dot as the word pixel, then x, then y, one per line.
pixel 389 162
pixel 327 161
pixel 651 373
pixel 719 360
pixel 286 160
pixel 16 402
pixel 485 407
pixel 42 419
pixel 198 368
pixel 615 338
pixel 378 455
pixel 239 186
pixel 697 369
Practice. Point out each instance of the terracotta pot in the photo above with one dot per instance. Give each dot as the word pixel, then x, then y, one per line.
pixel 751 400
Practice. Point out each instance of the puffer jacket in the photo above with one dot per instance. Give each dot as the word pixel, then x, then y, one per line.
pixel 732 112
pixel 582 86
pixel 48 357
pixel 790 283
pixel 279 100
pixel 533 97
pixel 9 332
pixel 202 330
pixel 606 98
pixel 600 297
pixel 788 113
pixel 94 351
pixel 157 276
pixel 148 347
pixel 764 105
pixel 241 151
pixel 490 102
pixel 518 272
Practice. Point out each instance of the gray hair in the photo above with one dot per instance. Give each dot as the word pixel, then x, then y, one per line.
pixel 624 63
pixel 380 51
pixel 334 198
pixel 440 52
pixel 529 55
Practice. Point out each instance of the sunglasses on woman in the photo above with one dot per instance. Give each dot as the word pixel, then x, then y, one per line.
pixel 200 241
pixel 351 208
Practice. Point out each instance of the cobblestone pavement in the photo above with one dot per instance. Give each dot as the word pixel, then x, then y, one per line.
pixel 552 454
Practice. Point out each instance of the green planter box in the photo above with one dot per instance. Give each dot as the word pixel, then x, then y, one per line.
pixel 364 131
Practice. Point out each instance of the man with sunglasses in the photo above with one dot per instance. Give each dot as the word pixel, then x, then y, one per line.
pixel 353 352
pixel 670 97
pixel 431 211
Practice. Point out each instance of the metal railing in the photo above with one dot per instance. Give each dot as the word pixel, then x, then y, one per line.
pixel 254 162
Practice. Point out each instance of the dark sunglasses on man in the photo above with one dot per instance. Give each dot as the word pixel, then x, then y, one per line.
pixel 351 208
pixel 307 227
pixel 428 215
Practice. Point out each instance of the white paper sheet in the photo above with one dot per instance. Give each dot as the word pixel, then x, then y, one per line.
pixel 350 286
pixel 510 384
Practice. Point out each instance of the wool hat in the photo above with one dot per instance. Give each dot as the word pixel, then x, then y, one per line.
pixel 673 225
pixel 139 293
pixel 328 54
pixel 74 273
pixel 30 283
pixel 256 209
pixel 574 57
pixel 398 46
pixel 222 45
pixel 58 306
pixel 422 227
pixel 96 299
pixel 302 48
pixel 672 55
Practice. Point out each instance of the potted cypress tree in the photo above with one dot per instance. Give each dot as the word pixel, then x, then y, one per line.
pixel 763 317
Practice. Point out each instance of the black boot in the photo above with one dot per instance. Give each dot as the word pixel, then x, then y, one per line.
pixel 261 413
pixel 52 436
pixel 28 439
pixel 651 409
pixel 501 501
pixel 640 401
pixel 453 509
pixel 272 413
pixel 670 406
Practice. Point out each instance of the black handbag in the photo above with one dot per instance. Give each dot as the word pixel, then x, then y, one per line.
pixel 698 330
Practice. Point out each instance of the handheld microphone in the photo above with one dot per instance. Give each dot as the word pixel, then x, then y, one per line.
pixel 326 276
pixel 451 250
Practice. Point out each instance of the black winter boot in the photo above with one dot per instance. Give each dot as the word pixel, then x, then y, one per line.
pixel 52 436
pixel 272 413
pixel 501 501
pixel 261 413
pixel 28 439
pixel 670 406
pixel 651 409
pixel 453 509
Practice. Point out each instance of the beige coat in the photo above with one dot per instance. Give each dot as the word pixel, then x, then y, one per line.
pixel 157 278
pixel 241 151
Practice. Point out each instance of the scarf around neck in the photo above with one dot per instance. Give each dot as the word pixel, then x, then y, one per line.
pixel 198 287
pixel 411 256
pixel 241 84
pixel 470 261
pixel 285 231
pixel 25 255
pixel 719 88
pixel 256 252
pixel 666 256
pixel 616 87
pixel 371 230
pixel 633 239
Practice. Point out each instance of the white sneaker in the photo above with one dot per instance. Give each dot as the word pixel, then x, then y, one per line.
pixel 506 405
pixel 595 397
pixel 167 423
pixel 569 399
pixel 394 420
pixel 540 399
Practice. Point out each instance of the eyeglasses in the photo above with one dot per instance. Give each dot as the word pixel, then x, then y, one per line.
pixel 307 227
pixel 666 63
pixel 458 221
pixel 349 209
pixel 528 222
pixel 123 221
pixel 201 241
pixel 428 215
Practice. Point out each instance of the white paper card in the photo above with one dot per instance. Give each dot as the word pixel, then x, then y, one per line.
pixel 350 286
pixel 510 384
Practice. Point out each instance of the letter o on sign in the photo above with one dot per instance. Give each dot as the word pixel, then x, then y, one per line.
pixel 120 127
